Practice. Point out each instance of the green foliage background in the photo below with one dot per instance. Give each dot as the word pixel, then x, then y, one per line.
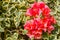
pixel 12 19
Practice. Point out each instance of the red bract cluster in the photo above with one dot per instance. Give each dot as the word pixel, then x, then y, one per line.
pixel 34 28
pixel 48 24
pixel 37 9
pixel 37 26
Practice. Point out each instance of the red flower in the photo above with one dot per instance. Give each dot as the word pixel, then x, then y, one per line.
pixel 50 28
pixel 35 5
pixel 37 9
pixel 33 12
pixel 48 21
pixel 53 20
pixel 34 28
pixel 46 11
pixel 41 5
pixel 37 25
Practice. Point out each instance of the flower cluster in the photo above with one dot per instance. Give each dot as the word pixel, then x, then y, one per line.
pixel 34 28
pixel 37 9
pixel 37 26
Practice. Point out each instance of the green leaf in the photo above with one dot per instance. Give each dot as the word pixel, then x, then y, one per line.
pixel 24 32
pixel 1 19
pixel 17 19
pixel 1 29
pixel 45 35
pixel 58 9
pixel 15 36
pixel 9 38
pixel 51 38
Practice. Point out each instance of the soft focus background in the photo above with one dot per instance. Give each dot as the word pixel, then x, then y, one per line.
pixel 12 19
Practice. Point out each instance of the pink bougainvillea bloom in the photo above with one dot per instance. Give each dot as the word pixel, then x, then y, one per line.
pixel 46 11
pixel 37 8
pixel 34 28
pixel 41 5
pixel 53 20
pixel 35 5
pixel 37 26
pixel 48 21
pixel 34 10
pixel 38 5
pixel 50 28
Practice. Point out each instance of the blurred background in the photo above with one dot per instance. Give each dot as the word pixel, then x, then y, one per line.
pixel 12 19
